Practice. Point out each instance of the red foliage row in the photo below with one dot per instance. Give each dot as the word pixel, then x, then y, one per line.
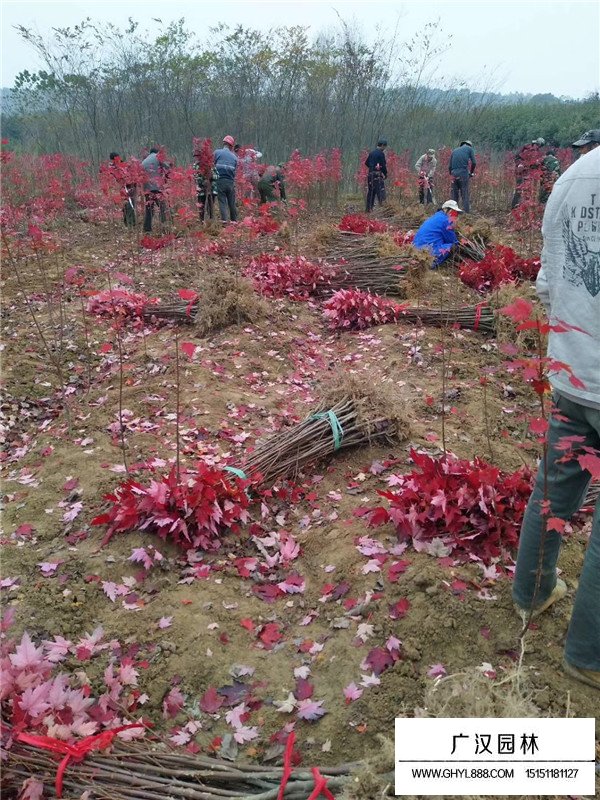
pixel 361 223
pixel 324 168
pixel 473 507
pixel 204 156
pixel 500 265
pixel 352 309
pixel 193 509
pixel 157 242
pixel 276 275
pixel 118 303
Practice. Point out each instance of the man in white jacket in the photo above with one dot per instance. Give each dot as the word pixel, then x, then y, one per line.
pixel 569 286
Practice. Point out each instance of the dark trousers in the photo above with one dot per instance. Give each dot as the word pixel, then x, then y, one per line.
pixel 460 186
pixel 375 189
pixel 226 195
pixel 154 199
pixel 266 192
pixel 129 216
pixel 206 205
pixel 425 194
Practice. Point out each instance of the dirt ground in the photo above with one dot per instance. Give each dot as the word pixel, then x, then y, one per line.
pixel 242 382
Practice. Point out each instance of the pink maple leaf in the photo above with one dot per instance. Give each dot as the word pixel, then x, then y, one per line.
pixel 173 703
pixel 310 710
pixel 74 510
pixel 165 622
pixel 58 649
pixel 245 734
pixel 181 737
pixel 49 567
pixel 140 554
pixel 234 716
pixel 293 584
pixel 352 692
pixel 26 654
pixel 371 566
pixel 370 680
pixel 34 700
pixel 110 590
pixel 127 674
pixel 437 671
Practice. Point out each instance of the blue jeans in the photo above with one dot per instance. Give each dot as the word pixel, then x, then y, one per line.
pixel 226 195
pixel 567 486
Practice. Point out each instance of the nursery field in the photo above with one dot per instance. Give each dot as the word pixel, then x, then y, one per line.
pixel 245 497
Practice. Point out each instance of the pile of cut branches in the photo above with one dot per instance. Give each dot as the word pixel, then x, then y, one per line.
pixel 377 265
pixel 141 772
pixel 351 414
pixel 479 318
pixel 178 310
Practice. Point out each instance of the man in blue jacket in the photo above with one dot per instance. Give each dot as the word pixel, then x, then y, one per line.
pixel 377 167
pixel 437 233
pixel 226 163
pixel 462 168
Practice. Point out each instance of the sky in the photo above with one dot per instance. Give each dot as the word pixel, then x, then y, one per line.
pixel 526 46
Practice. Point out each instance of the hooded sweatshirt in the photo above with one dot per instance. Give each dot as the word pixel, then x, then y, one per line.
pixel 568 282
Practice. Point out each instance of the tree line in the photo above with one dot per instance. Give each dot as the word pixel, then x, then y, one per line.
pixel 104 88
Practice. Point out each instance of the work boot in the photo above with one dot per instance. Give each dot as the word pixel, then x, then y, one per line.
pixel 558 593
pixel 587 676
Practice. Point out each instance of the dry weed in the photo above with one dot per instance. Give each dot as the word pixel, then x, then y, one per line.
pixel 506 294
pixel 465 694
pixel 372 402
pixel 227 299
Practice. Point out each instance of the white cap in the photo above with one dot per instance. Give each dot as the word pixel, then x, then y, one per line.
pixel 452 204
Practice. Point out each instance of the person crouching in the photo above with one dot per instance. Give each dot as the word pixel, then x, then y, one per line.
pixel 437 233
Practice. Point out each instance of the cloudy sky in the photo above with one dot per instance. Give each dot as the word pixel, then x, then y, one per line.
pixel 525 46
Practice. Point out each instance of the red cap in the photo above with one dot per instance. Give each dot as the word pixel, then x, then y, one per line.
pixel 229 140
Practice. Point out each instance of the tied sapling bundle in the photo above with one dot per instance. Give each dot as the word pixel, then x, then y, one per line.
pixel 478 318
pixel 377 264
pixel 350 415
pixel 136 771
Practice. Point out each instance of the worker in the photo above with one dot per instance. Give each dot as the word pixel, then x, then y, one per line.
pixel 206 187
pixel 462 169
pixel 377 173
pixel 157 172
pixel 437 233
pixel 425 167
pixel 272 179
pixel 226 163
pixel 128 189
pixel 550 174
pixel 528 167
pixel 568 285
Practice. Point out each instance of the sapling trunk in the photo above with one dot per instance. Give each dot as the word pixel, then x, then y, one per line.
pixel 117 329
pixel 541 379
pixel 52 357
pixel 177 406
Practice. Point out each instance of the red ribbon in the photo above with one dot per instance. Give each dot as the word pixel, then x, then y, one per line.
pixel 287 764
pixel 478 315
pixel 72 752
pixel 320 787
pixel 320 781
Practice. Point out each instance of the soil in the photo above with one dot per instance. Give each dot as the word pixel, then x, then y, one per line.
pixel 273 367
